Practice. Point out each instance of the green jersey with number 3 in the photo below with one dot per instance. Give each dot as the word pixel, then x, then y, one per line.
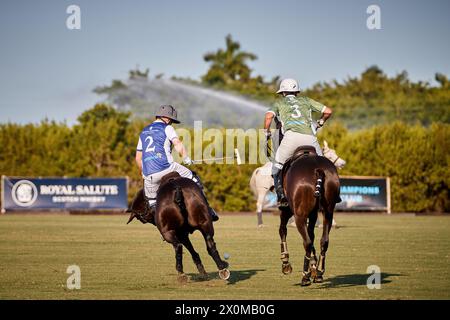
pixel 295 113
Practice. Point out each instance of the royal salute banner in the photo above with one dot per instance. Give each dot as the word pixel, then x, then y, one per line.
pixel 63 193
pixel 361 193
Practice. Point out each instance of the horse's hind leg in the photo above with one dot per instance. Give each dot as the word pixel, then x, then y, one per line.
pixel 195 256
pixel 212 250
pixel 327 224
pixel 311 225
pixel 286 267
pixel 302 228
pixel 171 237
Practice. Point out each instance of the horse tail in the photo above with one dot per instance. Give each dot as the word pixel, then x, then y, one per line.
pixel 320 177
pixel 179 200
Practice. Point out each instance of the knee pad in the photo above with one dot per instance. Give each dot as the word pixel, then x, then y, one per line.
pixel 151 202
pixel 196 179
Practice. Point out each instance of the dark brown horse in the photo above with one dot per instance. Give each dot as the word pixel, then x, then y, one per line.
pixel 180 210
pixel 311 183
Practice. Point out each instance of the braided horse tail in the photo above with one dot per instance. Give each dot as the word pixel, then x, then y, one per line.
pixel 320 177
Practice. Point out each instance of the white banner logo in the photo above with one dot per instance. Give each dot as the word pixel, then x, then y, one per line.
pixel 24 193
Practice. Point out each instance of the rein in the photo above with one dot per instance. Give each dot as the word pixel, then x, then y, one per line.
pixel 269 151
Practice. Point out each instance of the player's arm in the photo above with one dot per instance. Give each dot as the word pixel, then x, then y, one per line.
pixel 178 145
pixel 139 159
pixel 324 111
pixel 268 120
pixel 270 114
pixel 138 156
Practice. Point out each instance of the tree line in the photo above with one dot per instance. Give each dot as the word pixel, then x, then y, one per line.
pixel 372 98
pixel 359 102
pixel 103 143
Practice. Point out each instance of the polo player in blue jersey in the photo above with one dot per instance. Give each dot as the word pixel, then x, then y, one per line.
pixel 154 154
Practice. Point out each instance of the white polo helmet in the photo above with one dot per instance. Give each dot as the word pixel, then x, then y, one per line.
pixel 288 85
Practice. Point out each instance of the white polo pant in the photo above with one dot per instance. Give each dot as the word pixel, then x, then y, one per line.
pixel 291 141
pixel 152 182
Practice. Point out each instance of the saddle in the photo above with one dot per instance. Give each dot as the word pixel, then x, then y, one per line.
pixel 169 177
pixel 299 153
pixel 304 151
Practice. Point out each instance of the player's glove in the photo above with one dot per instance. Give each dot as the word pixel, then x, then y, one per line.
pixel 267 133
pixel 320 123
pixel 187 161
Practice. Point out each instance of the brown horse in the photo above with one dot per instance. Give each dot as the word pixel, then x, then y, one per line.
pixel 311 183
pixel 181 209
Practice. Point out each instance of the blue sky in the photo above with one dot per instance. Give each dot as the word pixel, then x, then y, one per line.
pixel 49 71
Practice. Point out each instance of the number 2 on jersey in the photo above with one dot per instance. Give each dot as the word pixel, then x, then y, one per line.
pixel 149 146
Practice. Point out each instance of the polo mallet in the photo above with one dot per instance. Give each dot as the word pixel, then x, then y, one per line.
pixel 236 156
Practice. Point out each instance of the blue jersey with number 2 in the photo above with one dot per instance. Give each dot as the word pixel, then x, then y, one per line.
pixel 156 148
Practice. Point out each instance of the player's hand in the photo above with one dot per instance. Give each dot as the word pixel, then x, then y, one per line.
pixel 187 161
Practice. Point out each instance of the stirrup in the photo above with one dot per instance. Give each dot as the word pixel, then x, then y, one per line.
pixel 283 203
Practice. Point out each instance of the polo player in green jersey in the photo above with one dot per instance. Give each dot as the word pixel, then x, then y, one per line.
pixel 299 129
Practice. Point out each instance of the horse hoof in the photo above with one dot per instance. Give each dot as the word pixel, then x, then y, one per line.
pixel 318 279
pixel 306 282
pixel 182 278
pixel 201 269
pixel 224 274
pixel 286 268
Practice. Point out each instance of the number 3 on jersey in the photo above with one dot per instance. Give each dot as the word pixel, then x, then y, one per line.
pixel 297 113
pixel 149 146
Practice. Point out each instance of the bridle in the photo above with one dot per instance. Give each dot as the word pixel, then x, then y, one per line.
pixel 335 160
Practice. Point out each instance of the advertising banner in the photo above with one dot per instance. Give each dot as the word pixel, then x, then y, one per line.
pixel 360 193
pixel 63 193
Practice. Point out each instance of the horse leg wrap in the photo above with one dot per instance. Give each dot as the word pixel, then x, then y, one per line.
pixel 285 257
pixel 284 252
pixel 306 266
pixel 321 264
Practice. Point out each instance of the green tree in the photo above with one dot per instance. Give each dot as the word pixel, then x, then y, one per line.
pixel 228 65
pixel 99 145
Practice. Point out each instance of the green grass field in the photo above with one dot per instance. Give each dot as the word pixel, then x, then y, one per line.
pixel 120 261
